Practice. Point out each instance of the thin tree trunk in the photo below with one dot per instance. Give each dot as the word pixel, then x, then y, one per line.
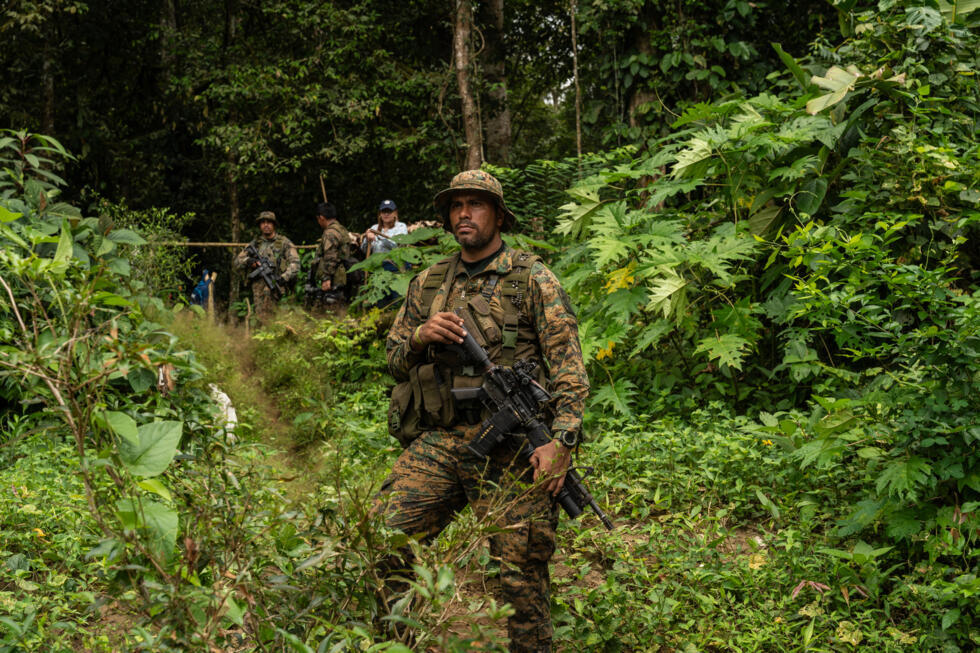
pixel 231 22
pixel 47 77
pixel 235 279
pixel 495 74
pixel 640 35
pixel 578 88
pixel 168 28
pixel 236 228
pixel 461 50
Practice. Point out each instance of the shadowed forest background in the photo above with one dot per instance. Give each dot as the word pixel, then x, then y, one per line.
pixel 766 215
pixel 224 109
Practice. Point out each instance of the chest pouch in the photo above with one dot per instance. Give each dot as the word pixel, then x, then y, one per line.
pixel 404 414
pixel 422 402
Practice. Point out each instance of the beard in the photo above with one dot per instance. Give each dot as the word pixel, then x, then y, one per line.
pixel 475 240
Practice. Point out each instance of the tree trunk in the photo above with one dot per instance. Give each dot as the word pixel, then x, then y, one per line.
pixel 495 75
pixel 640 35
pixel 461 52
pixel 235 279
pixel 168 28
pixel 47 79
pixel 231 23
pixel 578 88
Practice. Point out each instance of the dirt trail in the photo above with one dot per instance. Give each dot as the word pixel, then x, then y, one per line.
pixel 229 354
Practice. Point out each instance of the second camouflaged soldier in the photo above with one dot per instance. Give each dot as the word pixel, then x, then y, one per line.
pixel 521 311
pixel 285 259
pixel 333 248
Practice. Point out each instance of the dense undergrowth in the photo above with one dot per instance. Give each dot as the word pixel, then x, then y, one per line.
pixel 779 311
pixel 722 542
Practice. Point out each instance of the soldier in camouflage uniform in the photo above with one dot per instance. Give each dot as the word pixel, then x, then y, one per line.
pixel 334 247
pixel 521 311
pixel 278 249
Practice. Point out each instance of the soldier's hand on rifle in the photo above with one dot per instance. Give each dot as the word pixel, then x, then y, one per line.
pixel 325 285
pixel 551 460
pixel 443 327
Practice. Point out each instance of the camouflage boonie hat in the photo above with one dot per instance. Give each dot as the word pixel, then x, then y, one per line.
pixel 266 215
pixel 473 180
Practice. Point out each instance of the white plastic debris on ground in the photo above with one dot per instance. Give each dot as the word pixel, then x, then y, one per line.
pixel 227 410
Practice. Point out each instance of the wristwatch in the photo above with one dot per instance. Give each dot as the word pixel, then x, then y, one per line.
pixel 566 439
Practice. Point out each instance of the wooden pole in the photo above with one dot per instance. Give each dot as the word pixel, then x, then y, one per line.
pixel 211 278
pixel 178 243
pixel 323 189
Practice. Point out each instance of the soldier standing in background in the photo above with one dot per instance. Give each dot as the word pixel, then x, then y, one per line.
pixel 333 248
pixel 521 312
pixel 281 253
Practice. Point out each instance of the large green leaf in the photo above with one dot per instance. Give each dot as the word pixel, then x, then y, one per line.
pixel 728 349
pixel 663 292
pixel 811 195
pixel 125 237
pixel 839 82
pixel 63 253
pixel 154 450
pixel 159 521
pixel 8 216
pixel 617 396
pixel 798 73
pixel 958 10
pixel 124 426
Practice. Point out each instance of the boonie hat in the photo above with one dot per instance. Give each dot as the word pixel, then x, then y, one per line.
pixel 388 205
pixel 473 180
pixel 266 215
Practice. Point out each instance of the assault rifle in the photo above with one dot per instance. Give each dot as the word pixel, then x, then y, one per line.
pixel 265 270
pixel 515 401
pixel 314 294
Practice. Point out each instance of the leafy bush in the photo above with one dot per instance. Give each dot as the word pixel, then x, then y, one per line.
pixel 161 270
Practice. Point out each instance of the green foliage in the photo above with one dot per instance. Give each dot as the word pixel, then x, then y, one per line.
pixel 162 270
pixel 809 255
pixel 28 163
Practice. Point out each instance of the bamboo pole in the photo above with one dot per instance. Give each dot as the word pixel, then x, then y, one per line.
pixel 211 278
pixel 179 243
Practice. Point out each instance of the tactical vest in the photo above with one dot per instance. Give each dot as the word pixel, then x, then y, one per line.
pixel 343 236
pixel 339 278
pixel 505 330
pixel 274 249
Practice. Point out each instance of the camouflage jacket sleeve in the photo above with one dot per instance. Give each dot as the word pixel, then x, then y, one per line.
pixel 330 254
pixel 401 358
pixel 290 261
pixel 241 259
pixel 557 328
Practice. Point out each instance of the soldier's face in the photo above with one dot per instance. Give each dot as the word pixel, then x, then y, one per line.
pixel 268 228
pixel 475 220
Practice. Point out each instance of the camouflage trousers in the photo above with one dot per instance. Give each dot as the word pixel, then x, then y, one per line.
pixel 436 476
pixel 263 303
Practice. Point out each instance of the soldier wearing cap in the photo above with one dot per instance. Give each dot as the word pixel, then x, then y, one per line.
pixel 379 238
pixel 284 257
pixel 520 311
